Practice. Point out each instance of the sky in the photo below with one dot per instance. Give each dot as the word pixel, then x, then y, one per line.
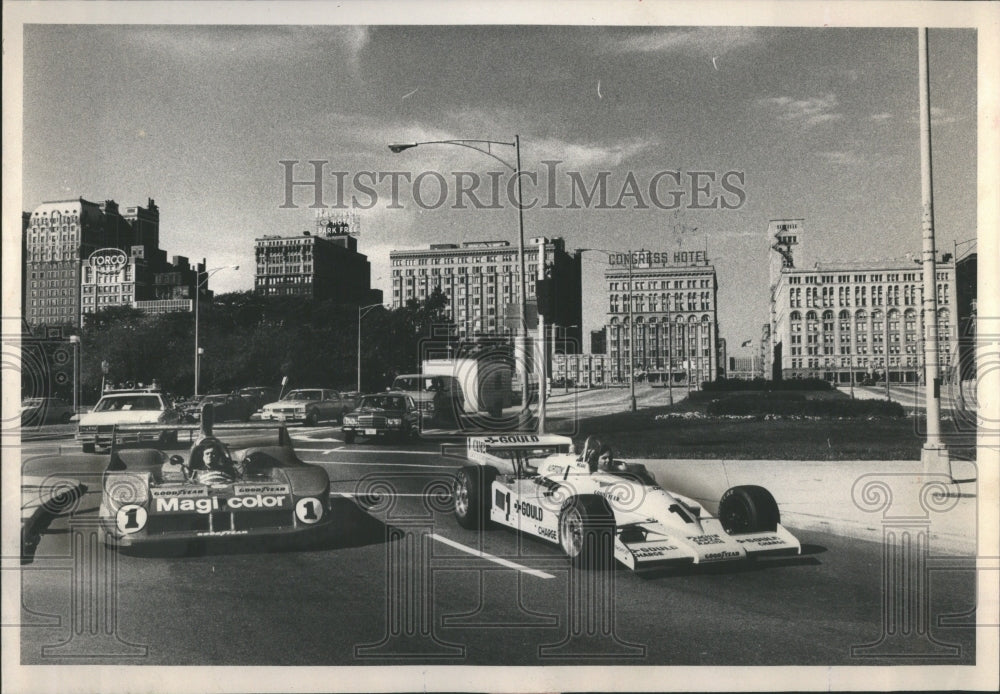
pixel 813 123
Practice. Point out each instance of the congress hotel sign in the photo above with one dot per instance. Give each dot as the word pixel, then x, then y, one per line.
pixel 108 261
pixel 658 258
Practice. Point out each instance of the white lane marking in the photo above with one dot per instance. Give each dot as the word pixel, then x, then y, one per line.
pixel 489 557
pixel 347 462
pixel 351 495
pixel 358 450
pixel 328 451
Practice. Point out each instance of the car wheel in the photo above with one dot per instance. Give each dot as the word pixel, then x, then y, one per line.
pixel 88 448
pixel 471 493
pixel 311 419
pixel 349 437
pixel 587 532
pixel 748 509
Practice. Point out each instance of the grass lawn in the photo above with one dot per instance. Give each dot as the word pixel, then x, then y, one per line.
pixel 642 435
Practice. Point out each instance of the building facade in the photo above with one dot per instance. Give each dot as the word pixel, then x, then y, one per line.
pixel 58 236
pixel 482 282
pixel 672 320
pixel 581 370
pixel 321 265
pixel 140 280
pixel 856 321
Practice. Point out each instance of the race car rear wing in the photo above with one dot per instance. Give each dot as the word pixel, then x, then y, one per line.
pixel 503 450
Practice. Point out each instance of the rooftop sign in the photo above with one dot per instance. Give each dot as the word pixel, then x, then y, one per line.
pixel 108 261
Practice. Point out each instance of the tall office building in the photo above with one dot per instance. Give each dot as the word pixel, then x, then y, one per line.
pixel 482 282
pixel 58 236
pixel 324 264
pixel 673 321
pixel 852 321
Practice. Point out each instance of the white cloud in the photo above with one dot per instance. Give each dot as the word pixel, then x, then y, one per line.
pixel 706 41
pixel 807 112
pixel 840 158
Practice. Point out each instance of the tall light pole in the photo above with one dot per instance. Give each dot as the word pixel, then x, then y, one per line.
pixel 631 325
pixel 362 311
pixel 197 293
pixel 77 367
pixel 934 455
pixel 485 147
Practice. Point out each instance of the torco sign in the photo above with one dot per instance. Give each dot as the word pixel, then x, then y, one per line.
pixel 108 261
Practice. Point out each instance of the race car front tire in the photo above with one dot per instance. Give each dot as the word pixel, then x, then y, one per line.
pixel 587 532
pixel 748 509
pixel 471 492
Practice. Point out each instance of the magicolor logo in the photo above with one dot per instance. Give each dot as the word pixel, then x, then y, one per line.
pixel 207 505
pixel 108 261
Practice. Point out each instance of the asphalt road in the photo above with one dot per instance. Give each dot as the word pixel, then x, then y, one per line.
pixel 397 581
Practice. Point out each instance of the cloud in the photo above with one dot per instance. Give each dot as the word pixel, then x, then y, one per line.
pixel 806 112
pixel 941 116
pixel 705 41
pixel 840 158
pixel 592 154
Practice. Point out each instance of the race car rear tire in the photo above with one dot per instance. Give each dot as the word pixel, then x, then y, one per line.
pixel 748 509
pixel 471 492
pixel 587 532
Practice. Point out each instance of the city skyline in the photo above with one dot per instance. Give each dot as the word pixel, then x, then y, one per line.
pixel 818 124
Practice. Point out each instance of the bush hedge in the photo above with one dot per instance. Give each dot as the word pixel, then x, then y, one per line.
pixel 757 405
pixel 757 384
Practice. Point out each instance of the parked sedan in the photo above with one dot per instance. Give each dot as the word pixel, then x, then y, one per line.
pixel 383 415
pixel 307 405
pixel 227 407
pixel 35 411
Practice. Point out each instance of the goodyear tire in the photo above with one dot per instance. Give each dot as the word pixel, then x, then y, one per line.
pixel 471 492
pixel 587 533
pixel 748 509
pixel 348 437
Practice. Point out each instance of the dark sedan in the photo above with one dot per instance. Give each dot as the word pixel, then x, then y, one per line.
pixel 382 415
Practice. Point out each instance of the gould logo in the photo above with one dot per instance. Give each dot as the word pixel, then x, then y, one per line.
pixel 528 510
pixel 108 261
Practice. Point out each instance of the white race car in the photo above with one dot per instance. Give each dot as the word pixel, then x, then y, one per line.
pixel 536 484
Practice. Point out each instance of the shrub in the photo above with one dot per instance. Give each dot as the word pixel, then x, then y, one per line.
pixel 760 384
pixel 756 405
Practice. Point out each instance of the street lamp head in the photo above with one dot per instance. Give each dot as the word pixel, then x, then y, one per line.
pixel 396 148
pixel 74 339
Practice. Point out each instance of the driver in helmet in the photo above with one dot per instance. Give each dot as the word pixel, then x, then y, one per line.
pixel 212 465
pixel 606 461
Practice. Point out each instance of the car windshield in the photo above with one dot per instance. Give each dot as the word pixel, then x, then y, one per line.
pixel 120 403
pixel 405 383
pixel 383 402
pixel 303 395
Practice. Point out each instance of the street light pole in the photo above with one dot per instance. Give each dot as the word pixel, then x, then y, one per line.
pixel 484 147
pixel 197 294
pixel 362 311
pixel 631 326
pixel 77 367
